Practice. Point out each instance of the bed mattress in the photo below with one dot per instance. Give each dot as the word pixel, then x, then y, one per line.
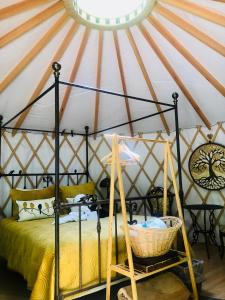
pixel 28 248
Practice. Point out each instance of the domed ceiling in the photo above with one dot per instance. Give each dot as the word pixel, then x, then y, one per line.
pixel 151 51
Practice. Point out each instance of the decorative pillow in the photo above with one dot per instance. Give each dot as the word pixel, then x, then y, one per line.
pixel 35 209
pixel 26 195
pixel 73 190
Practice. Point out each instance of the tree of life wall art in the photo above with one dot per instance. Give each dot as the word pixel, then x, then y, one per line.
pixel 207 166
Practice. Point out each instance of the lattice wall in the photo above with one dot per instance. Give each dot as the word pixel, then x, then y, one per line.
pixel 139 179
pixel 35 153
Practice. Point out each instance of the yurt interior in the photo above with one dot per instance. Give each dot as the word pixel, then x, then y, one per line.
pixel 112 149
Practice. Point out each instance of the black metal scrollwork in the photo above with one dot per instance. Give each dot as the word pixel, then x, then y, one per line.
pixel 132 207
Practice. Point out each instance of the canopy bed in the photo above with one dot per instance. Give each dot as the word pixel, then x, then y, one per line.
pixel 53 268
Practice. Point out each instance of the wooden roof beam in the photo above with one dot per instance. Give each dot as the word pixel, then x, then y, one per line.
pixel 174 75
pixel 188 27
pixel 74 71
pixel 31 23
pixel 122 77
pixel 33 51
pixel 48 72
pixel 190 58
pixel 198 10
pixel 146 77
pixel 20 7
pixel 98 79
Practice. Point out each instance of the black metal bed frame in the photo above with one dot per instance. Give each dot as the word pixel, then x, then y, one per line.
pixel 48 177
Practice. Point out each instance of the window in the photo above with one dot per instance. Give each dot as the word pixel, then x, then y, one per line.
pixel 109 14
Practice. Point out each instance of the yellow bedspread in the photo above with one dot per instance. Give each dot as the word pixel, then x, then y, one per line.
pixel 29 249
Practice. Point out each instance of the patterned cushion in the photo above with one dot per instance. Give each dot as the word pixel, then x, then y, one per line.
pixel 24 195
pixel 36 209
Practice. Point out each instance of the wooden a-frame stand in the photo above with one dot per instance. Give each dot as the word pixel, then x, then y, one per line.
pixel 129 271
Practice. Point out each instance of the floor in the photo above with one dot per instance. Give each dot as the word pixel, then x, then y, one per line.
pixel 214 272
pixel 13 287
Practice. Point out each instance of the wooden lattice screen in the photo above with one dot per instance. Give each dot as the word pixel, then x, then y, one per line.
pixel 35 153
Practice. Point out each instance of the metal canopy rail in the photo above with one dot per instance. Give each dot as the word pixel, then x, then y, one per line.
pixel 119 95
pixel 114 94
pixel 56 69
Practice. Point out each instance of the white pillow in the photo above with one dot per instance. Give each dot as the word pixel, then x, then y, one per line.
pixel 36 209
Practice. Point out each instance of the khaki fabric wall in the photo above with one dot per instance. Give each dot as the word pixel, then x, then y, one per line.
pixel 138 179
pixel 35 153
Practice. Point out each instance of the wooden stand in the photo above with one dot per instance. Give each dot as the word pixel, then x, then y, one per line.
pixel 129 271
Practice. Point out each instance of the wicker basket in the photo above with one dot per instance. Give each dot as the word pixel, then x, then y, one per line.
pixel 146 242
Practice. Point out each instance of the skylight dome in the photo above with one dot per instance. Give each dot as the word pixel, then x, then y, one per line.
pixel 109 14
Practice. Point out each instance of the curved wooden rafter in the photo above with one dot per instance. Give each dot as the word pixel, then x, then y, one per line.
pixel 74 71
pixel 190 58
pixel 198 10
pixel 188 27
pixel 186 5
pixel 31 23
pixel 20 7
pixel 174 75
pixel 33 52
pixel 98 79
pixel 146 77
pixel 123 81
pixel 48 72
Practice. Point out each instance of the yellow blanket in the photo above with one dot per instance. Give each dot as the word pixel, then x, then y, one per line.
pixel 29 249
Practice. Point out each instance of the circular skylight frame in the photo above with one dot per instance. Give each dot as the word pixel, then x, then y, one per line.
pixel 119 22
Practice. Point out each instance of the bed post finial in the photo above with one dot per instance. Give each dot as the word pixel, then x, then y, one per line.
pixel 86 129
pixel 56 68
pixel 175 98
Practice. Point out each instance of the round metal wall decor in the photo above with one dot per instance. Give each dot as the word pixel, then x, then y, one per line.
pixel 207 166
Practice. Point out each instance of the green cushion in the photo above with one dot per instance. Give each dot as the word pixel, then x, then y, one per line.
pixel 73 190
pixel 23 195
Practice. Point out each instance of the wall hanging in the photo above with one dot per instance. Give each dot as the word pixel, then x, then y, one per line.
pixel 207 166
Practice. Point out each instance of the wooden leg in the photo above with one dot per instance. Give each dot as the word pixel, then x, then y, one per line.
pixel 125 226
pixel 134 289
pixel 111 207
pixel 180 214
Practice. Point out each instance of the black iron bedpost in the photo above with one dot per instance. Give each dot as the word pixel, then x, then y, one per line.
pixel 86 139
pixel 56 68
pixel 181 193
pixel 1 119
